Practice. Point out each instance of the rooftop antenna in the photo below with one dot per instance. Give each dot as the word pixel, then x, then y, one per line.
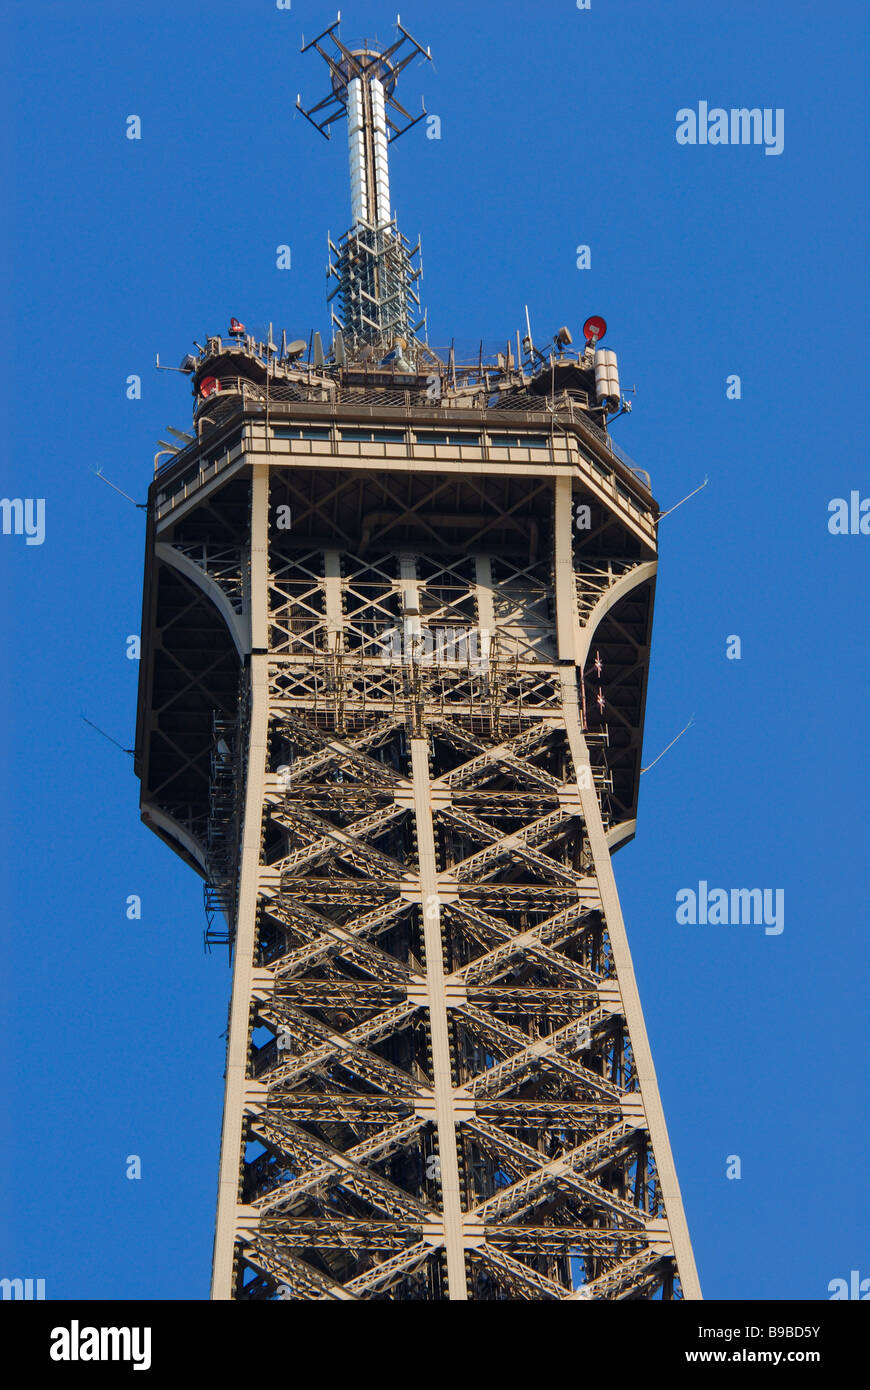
pixel 528 344
pixel 693 493
pixel 161 368
pixel 108 736
pixel 98 473
pixel 670 745
pixel 374 270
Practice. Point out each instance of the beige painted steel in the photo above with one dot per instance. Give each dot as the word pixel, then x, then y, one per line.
pixel 573 640
pixel 249 872
pixel 236 625
pixel 435 993
pixel 648 1081
pixel 437 1006
pixel 243 986
pixel 566 603
pixel 485 603
pixel 334 619
pixel 259 575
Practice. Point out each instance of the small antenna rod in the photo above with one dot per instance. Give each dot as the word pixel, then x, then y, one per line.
pixel 670 745
pixel 98 473
pixel 131 751
pixel 682 500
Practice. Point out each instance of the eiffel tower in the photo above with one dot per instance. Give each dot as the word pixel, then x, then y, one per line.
pixel 396 629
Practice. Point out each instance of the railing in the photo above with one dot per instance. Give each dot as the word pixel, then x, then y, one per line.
pixel 239 395
pixel 604 438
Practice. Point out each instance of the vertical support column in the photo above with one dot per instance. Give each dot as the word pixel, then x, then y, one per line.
pixel 249 872
pixel 485 604
pixel 439 1030
pixel 649 1087
pixel 260 557
pixel 334 622
pixel 566 618
pixel 566 589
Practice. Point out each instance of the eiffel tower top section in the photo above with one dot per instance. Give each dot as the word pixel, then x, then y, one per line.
pixel 374 265
pixel 378 357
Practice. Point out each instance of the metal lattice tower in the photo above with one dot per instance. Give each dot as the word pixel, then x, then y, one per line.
pixel 391 709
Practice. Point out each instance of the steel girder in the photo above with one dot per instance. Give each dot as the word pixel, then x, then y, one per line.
pixel 439 1084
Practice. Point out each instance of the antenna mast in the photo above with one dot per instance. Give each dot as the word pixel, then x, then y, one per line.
pixel 373 261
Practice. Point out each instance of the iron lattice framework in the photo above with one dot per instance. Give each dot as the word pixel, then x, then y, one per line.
pixel 438 1079
pixel 396 636
pixel 376 291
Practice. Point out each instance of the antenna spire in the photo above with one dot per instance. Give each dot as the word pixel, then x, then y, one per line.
pixel 374 270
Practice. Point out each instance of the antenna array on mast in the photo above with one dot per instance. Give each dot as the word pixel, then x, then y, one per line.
pixel 374 262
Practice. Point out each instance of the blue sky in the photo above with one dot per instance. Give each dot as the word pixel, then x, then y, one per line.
pixel 558 129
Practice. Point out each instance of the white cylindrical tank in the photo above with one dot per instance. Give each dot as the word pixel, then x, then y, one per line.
pixel 606 377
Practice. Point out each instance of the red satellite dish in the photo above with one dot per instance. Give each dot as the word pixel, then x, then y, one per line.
pixel 208 385
pixel 236 327
pixel 594 329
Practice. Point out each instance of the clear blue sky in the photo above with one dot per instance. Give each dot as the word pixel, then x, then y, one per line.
pixel 558 129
